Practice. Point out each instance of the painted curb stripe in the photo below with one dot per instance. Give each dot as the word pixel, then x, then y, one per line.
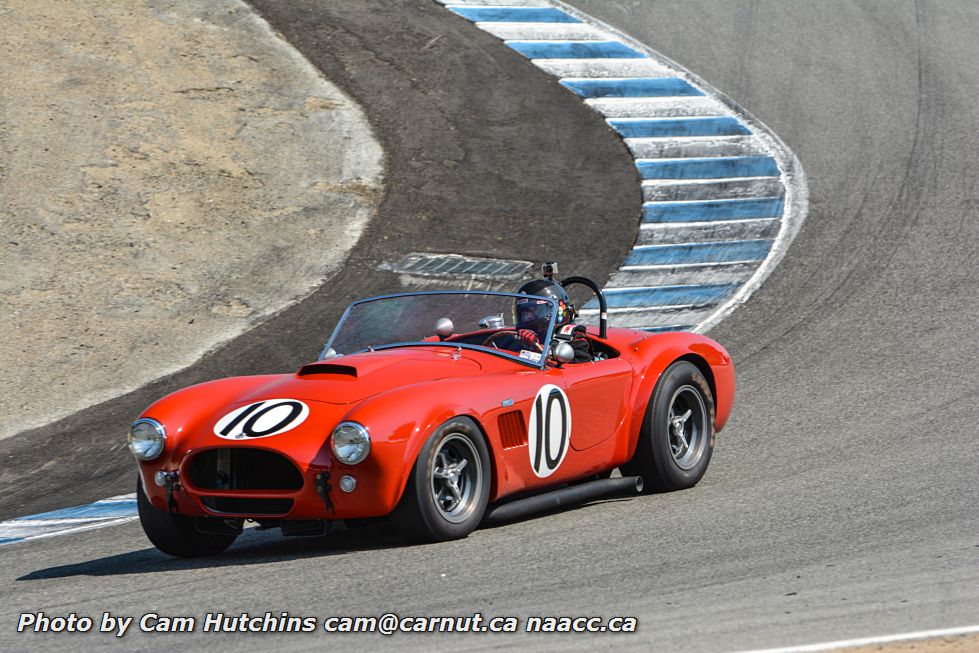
pixel 601 68
pixel 107 512
pixel 695 147
pixel 671 190
pixel 706 211
pixel 630 88
pixel 513 14
pixel 682 296
pixel 98 510
pixel 656 317
pixel 574 50
pixel 670 233
pixel 543 31
pixel 696 126
pixel 668 106
pixel 736 251
pixel 708 168
pixel 687 274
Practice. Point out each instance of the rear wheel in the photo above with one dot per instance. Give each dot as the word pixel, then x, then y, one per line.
pixel 677 436
pixel 448 490
pixel 178 535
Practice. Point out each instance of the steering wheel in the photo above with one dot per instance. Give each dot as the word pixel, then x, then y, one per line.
pixel 493 337
pixel 510 332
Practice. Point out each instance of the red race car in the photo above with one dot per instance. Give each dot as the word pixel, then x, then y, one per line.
pixel 435 410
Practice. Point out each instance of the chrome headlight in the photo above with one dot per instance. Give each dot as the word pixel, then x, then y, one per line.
pixel 147 437
pixel 351 442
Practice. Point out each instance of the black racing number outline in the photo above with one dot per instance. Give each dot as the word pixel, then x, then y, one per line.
pixel 543 423
pixel 246 428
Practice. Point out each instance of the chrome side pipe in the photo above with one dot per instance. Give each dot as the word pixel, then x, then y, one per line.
pixel 563 497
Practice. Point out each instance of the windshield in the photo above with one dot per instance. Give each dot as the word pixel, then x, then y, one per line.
pixel 514 326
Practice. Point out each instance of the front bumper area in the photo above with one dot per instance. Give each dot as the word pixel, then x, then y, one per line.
pixel 264 484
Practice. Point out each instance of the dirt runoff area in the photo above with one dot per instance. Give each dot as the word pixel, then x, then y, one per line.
pixel 170 174
pixel 950 644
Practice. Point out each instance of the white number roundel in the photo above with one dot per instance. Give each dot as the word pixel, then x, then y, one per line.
pixel 262 419
pixel 549 431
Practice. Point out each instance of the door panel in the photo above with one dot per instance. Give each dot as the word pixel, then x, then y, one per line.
pixel 528 466
pixel 599 394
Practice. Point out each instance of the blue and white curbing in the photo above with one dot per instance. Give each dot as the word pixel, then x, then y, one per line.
pixel 722 196
pixel 107 512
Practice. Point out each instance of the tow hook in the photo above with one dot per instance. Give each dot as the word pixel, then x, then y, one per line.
pixel 323 489
pixel 172 484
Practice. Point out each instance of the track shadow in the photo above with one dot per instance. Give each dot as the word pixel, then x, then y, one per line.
pixel 252 547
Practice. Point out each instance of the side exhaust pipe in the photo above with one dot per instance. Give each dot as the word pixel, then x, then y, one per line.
pixel 563 497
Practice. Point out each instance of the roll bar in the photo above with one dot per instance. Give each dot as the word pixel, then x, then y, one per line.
pixel 602 305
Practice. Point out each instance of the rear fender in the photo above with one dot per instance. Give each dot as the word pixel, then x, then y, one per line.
pixel 654 354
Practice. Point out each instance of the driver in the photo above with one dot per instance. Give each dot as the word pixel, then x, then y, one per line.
pixel 533 316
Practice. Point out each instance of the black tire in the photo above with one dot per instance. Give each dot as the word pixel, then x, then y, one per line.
pixel 661 458
pixel 429 511
pixel 177 535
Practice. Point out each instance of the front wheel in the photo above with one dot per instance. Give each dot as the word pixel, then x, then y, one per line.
pixel 448 490
pixel 677 436
pixel 177 535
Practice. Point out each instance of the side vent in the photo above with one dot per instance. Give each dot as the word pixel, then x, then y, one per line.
pixel 513 430
pixel 328 368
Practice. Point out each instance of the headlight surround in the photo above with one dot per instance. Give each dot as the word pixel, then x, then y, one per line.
pixel 147 438
pixel 351 442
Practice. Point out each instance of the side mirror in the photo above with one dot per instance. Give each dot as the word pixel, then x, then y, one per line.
pixel 444 328
pixel 562 352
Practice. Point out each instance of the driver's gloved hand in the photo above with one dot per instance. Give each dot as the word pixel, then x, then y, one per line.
pixel 528 337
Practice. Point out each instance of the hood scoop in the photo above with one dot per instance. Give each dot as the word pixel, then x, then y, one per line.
pixel 328 369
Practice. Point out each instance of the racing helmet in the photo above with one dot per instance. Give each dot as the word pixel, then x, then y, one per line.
pixel 535 315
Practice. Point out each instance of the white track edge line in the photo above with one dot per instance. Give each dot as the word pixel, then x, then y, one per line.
pixel 865 641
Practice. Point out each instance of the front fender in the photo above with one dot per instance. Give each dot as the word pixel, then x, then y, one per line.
pixel 186 410
pixel 401 421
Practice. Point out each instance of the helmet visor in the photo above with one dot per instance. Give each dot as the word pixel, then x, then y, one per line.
pixel 533 311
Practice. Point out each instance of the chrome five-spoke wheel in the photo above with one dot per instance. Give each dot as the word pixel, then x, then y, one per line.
pixel 677 436
pixel 449 486
pixel 686 426
pixel 456 478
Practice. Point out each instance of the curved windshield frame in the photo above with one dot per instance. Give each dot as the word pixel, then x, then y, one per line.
pixel 402 318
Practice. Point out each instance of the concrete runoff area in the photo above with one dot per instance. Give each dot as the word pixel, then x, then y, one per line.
pixel 171 173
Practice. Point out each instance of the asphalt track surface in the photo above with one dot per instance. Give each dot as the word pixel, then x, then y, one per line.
pixel 841 500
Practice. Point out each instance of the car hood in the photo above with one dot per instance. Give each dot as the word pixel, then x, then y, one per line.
pixel 326 390
pixel 350 379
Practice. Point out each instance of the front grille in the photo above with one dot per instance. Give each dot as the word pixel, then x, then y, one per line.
pixel 513 431
pixel 241 468
pixel 248 505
